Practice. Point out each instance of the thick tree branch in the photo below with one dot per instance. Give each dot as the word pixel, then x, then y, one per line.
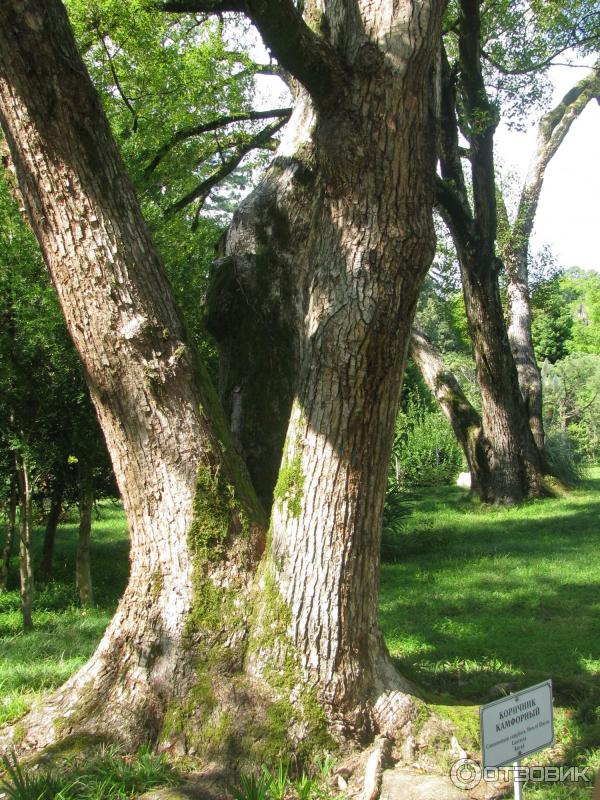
pixel 204 188
pixel 299 50
pixel 552 131
pixel 451 191
pixel 481 119
pixel 219 122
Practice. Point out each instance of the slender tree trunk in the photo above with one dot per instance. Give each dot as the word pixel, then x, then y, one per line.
pixel 463 418
pixel 360 169
pixel 552 130
pixel 56 502
pixel 83 573
pixel 10 535
pixel 25 561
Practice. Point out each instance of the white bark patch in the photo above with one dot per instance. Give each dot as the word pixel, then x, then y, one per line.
pixel 133 327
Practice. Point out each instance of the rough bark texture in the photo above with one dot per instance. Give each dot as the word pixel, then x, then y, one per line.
pixel 463 418
pixel 195 526
pixel 83 572
pixel 343 222
pixel 552 131
pixel 515 465
pixel 10 535
pixel 56 501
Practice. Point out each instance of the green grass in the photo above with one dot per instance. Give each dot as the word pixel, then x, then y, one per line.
pixel 64 634
pixel 471 598
pixel 475 597
pixel 107 774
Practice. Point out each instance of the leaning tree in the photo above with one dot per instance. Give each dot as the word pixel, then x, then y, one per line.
pixel 206 645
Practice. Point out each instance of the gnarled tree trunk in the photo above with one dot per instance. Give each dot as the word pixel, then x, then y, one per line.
pixel 195 526
pixel 354 184
pixel 515 465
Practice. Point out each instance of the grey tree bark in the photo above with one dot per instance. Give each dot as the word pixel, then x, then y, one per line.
pixel 552 130
pixel 353 184
pixel 182 486
pixel 27 587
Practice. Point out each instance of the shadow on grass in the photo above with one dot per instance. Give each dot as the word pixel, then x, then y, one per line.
pixel 497 596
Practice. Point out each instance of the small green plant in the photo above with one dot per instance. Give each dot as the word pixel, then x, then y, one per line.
pixel 562 457
pixel 278 782
pixel 23 785
pixel 252 787
pixel 305 787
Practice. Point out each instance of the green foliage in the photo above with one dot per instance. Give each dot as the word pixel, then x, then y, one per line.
pixel 425 451
pixel 503 596
pixel 279 784
pixel 552 320
pixel 581 290
pixel 108 774
pixel 572 401
pixel 562 457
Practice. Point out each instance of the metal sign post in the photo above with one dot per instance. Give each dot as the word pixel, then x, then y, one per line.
pixel 516 726
pixel 517 780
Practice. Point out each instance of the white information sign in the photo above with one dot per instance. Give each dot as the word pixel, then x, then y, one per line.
pixel 516 726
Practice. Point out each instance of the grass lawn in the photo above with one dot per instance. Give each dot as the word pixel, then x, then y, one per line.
pixel 65 635
pixel 473 597
pixel 470 598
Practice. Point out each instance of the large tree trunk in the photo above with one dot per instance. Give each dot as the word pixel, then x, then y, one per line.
pixel 463 418
pixel 11 520
pixel 83 571
pixel 357 172
pixel 195 526
pixel 342 225
pixel 25 525
pixel 56 502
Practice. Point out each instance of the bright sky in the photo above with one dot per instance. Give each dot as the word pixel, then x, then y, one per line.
pixel 568 217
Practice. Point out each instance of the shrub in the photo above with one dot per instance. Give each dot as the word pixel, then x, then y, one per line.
pixel 425 451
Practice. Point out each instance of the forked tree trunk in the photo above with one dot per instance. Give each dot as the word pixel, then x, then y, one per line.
pixel 56 502
pixel 25 561
pixel 11 520
pixel 83 571
pixel 515 465
pixel 463 418
pixel 357 171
